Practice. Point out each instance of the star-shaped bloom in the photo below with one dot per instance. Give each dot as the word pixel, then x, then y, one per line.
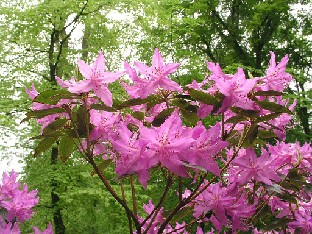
pixel 234 88
pixel 157 75
pixel 276 76
pixel 207 144
pixel 96 79
pixel 167 143
pixel 252 167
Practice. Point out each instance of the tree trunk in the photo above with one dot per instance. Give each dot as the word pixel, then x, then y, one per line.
pixel 57 215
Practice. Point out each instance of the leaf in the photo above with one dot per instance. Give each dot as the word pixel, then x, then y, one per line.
pixel 181 214
pixel 277 223
pixel 153 100
pixel 44 145
pixel 52 97
pixel 102 107
pixel 138 115
pixel 132 102
pixel 162 116
pixel 294 181
pixel 38 114
pixel 243 112
pixel 66 148
pixel 203 97
pixel 251 135
pixel 271 106
pixel 266 134
pixel 275 188
pixel 82 121
pixel 102 166
pixel 235 119
pixel 189 117
pixel 54 126
pixel 286 196
pixel 267 117
pixel 268 93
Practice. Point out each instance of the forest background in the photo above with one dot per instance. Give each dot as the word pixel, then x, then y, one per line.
pixel 43 39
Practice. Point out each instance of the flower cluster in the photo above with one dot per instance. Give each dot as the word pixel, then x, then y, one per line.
pixel 16 204
pixel 234 174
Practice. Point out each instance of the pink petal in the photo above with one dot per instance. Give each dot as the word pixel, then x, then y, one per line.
pixel 82 86
pixel 157 60
pixel 84 69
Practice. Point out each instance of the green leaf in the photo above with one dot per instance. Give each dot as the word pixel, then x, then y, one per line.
pixel 236 119
pixel 266 134
pixel 275 188
pixel 286 196
pixel 102 166
pixel 268 93
pixel 181 214
pixel 54 126
pixel 138 115
pixel 267 117
pixel 251 135
pixel 82 121
pixel 66 148
pixel 153 100
pixel 203 97
pixel 271 106
pixel 38 114
pixel 243 112
pixel 277 223
pixel 189 117
pixel 132 102
pixel 162 116
pixel 52 97
pixel 102 107
pixel 44 145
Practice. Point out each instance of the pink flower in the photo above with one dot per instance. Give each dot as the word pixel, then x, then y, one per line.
pixel 207 144
pixel 103 122
pixel 133 156
pixel 303 222
pixel 96 80
pixel 276 78
pixel 167 142
pixel 252 167
pixel 234 88
pixel 136 90
pixel 157 75
pixel 9 228
pixel 215 199
pixel 49 230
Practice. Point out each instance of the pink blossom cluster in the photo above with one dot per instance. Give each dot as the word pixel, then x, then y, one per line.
pixel 248 176
pixel 16 205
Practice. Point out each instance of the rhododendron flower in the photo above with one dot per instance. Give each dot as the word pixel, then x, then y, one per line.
pixel 215 199
pixel 137 89
pixel 207 144
pixel 49 230
pixel 65 83
pixel 303 222
pixel 157 75
pixel 9 228
pixel 133 155
pixel 276 78
pixel 167 142
pixel 252 167
pixel 96 80
pixel 103 123
pixel 234 88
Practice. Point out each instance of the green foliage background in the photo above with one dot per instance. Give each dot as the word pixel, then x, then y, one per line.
pixel 37 44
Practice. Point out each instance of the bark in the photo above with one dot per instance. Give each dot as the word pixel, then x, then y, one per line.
pixel 57 214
